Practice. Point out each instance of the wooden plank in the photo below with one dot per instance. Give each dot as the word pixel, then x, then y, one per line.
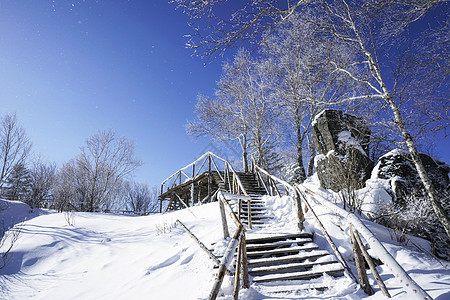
pixel 300 241
pixel 288 258
pixel 332 269
pixel 283 250
pixel 260 240
pixel 288 267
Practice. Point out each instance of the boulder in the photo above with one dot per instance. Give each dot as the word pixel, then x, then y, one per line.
pixel 343 142
pixel 398 168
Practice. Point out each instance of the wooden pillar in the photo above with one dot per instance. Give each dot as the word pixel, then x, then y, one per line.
pixel 192 185
pixel 161 200
pixel 249 216
pixel 237 281
pixel 209 179
pixel 300 214
pixel 239 208
pixel 360 266
pixel 227 257
pixel 223 216
pixel 371 264
pixel 245 278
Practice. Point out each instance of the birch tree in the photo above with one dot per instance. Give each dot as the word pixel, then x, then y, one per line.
pixel 353 23
pixel 304 85
pixel 240 110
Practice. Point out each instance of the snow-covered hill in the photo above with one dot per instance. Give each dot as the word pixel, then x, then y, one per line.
pixel 104 256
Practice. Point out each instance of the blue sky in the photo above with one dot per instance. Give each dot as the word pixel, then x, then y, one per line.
pixel 70 68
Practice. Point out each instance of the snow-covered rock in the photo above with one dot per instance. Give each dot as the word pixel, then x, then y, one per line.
pixel 343 142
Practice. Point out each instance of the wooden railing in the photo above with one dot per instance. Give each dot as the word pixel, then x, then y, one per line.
pixel 269 182
pixel 205 165
pixel 357 227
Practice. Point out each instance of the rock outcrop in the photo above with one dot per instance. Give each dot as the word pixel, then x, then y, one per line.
pixel 343 142
pixel 398 168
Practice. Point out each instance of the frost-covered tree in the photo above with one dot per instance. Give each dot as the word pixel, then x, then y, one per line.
pixel 303 81
pixel 367 27
pixel 140 198
pixel 93 180
pixel 240 111
pixel 42 180
pixel 15 145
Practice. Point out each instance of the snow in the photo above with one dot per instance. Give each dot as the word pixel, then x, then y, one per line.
pixel 314 121
pixel 345 137
pixel 107 256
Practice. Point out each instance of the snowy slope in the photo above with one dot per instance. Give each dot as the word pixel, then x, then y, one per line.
pixel 126 257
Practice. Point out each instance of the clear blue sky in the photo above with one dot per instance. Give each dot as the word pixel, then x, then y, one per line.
pixel 70 68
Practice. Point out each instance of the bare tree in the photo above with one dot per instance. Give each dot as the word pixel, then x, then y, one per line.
pixel 93 180
pixel 43 176
pixel 351 25
pixel 140 198
pixel 253 20
pixel 241 109
pixel 69 187
pixel 222 120
pixel 15 145
pixel 104 163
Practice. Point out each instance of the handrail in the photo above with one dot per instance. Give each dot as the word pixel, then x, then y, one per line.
pixel 204 156
pixel 408 283
pixel 234 173
pixel 298 205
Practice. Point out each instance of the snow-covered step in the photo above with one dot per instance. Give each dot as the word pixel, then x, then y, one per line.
pixel 282 287
pixel 283 251
pixel 288 258
pixel 317 271
pixel 260 239
pixel 289 267
pixel 267 246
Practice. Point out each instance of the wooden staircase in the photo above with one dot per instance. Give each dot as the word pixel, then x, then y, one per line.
pixel 282 263
pixel 289 257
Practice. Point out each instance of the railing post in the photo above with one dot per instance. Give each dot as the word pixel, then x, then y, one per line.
pixel 237 281
pixel 192 184
pixel 360 266
pixel 223 216
pixel 239 208
pixel 249 216
pixel 371 264
pixel 161 200
pixel 209 178
pixel 225 176
pixel 300 214
pixel 245 279
pixel 227 257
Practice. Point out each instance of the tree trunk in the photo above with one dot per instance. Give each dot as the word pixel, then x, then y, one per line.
pixel 299 145
pixel 398 119
pixel 434 199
